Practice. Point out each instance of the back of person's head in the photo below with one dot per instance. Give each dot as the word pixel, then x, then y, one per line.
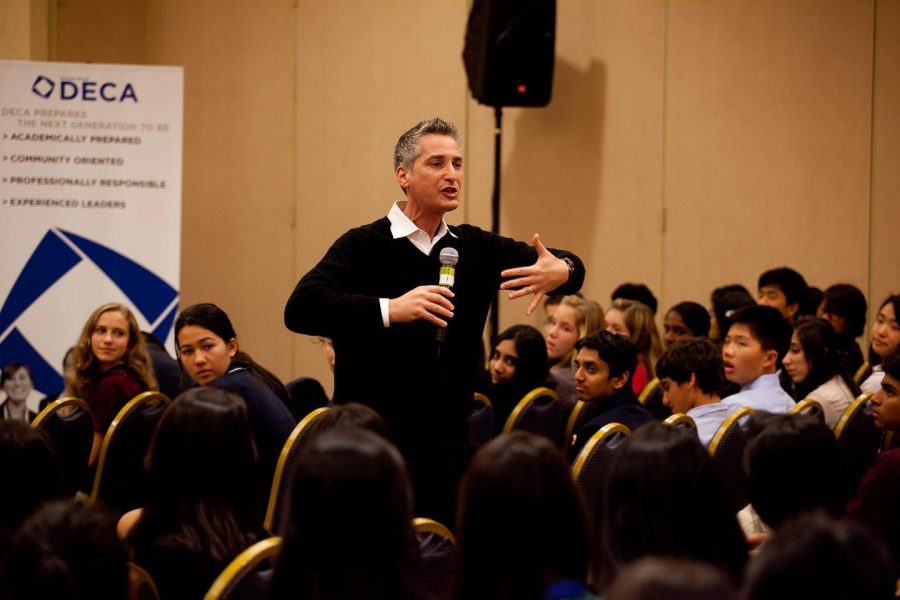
pixel 29 473
pixel 521 520
pixel 767 326
pixel 793 465
pixel 817 556
pixel 699 356
pixel 792 285
pixel 848 302
pixel 532 364
pixel 351 415
pixel 617 351
pixel 660 578
pixel 891 366
pixel 725 300
pixel 694 316
pixel 665 497
pixel 637 292
pixel 820 343
pixel 67 549
pixel 348 528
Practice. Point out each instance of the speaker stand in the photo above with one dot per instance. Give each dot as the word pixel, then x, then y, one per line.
pixel 495 209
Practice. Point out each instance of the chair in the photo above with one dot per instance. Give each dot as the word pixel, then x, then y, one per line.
pixel 859 439
pixel 651 398
pixel 121 480
pixel 538 412
pixel 437 558
pixel 808 407
pixel 889 441
pixel 681 421
pixel 142 585
pixel 592 464
pixel 69 425
pixel 862 372
pixel 284 467
pixel 248 575
pixel 481 420
pixel 581 414
pixel 727 451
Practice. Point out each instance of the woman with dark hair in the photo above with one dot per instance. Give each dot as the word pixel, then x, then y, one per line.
pixel 685 320
pixel 664 497
pixel 521 524
pixel 110 366
pixel 15 380
pixel 208 349
pixel 518 364
pixel 845 307
pixel 724 301
pixel 885 341
pixel 348 529
pixel 814 366
pixel 199 514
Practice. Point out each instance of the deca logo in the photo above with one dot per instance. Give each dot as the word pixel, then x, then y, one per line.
pixel 83 89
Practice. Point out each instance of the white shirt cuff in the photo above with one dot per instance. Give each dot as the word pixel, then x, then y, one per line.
pixel 385 313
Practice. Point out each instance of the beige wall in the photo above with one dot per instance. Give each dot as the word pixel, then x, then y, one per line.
pixel 689 143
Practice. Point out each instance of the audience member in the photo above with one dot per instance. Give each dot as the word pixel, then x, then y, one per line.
pixel 756 342
pixel 885 341
pixel 724 301
pixel 690 374
pixel 569 320
pixel 664 497
pixel 348 530
pixel 15 379
pixel 169 376
pixel 351 415
pixel 637 292
pixel 604 364
pixel 814 366
pixel 845 307
pixel 786 290
pixel 110 366
pixel 635 321
pixel 685 320
pixel 522 527
pixel 659 578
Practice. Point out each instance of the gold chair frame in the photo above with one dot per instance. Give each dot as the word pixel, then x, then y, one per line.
pixel 601 434
pixel 524 403
pixel 243 562
pixel 726 426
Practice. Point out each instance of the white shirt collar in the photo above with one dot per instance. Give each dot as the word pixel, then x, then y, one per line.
pixel 402 226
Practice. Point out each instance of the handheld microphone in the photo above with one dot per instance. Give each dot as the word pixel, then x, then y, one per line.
pixel 448 257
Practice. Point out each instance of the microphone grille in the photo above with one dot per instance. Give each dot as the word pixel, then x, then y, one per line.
pixel 449 257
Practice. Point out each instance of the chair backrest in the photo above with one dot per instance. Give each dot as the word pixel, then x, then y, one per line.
pixel 889 441
pixel 862 372
pixel 727 451
pixel 808 407
pixel 284 467
pixel 581 413
pixel 538 412
pixel 142 585
pixel 437 558
pixel 859 439
pixel 681 421
pixel 248 575
pixel 651 398
pixel 68 424
pixel 592 463
pixel 121 480
pixel 481 420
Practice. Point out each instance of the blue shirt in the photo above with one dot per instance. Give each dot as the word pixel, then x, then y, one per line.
pixel 764 393
pixel 709 417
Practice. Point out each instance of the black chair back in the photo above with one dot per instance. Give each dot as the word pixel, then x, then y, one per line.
pixel 581 414
pixel 481 420
pixel 142 585
pixel 727 451
pixel 591 467
pixel 859 439
pixel 247 577
pixel 69 425
pixel 538 412
pixel 437 558
pixel 808 407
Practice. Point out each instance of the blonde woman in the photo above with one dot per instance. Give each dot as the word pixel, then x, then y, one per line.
pixel 110 366
pixel 567 322
pixel 635 321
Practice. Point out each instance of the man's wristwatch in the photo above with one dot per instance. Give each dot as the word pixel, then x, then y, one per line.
pixel 571 264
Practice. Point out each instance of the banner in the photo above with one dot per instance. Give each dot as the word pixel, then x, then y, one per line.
pixel 90 203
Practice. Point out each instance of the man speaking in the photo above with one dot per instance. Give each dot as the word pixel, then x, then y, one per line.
pixel 380 294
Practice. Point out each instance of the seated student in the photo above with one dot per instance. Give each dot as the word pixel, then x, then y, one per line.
pixel 634 320
pixel 813 364
pixel 685 320
pixel 885 341
pixel 690 374
pixel 723 302
pixel 603 366
pixel 876 501
pixel 845 307
pixel 752 352
pixel 660 578
pixel 569 319
pixel 786 290
pixel 636 292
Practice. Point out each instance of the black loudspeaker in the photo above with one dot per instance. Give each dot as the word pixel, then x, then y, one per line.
pixel 509 51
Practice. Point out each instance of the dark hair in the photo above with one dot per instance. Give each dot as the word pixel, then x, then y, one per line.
pixel 638 292
pixel 664 497
pixel 792 285
pixel 67 549
pixel 660 578
pixel 11 368
pixel 793 465
pixel 767 326
pixel 845 300
pixel 820 347
pixel 521 521
pixel 695 317
pixel 30 473
pixel 209 316
pixel 532 365
pixel 725 300
pixel 894 301
pixel 350 415
pixel 617 351
pixel 699 356
pixel 891 366
pixel 348 530
pixel 201 469
pixel 815 556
